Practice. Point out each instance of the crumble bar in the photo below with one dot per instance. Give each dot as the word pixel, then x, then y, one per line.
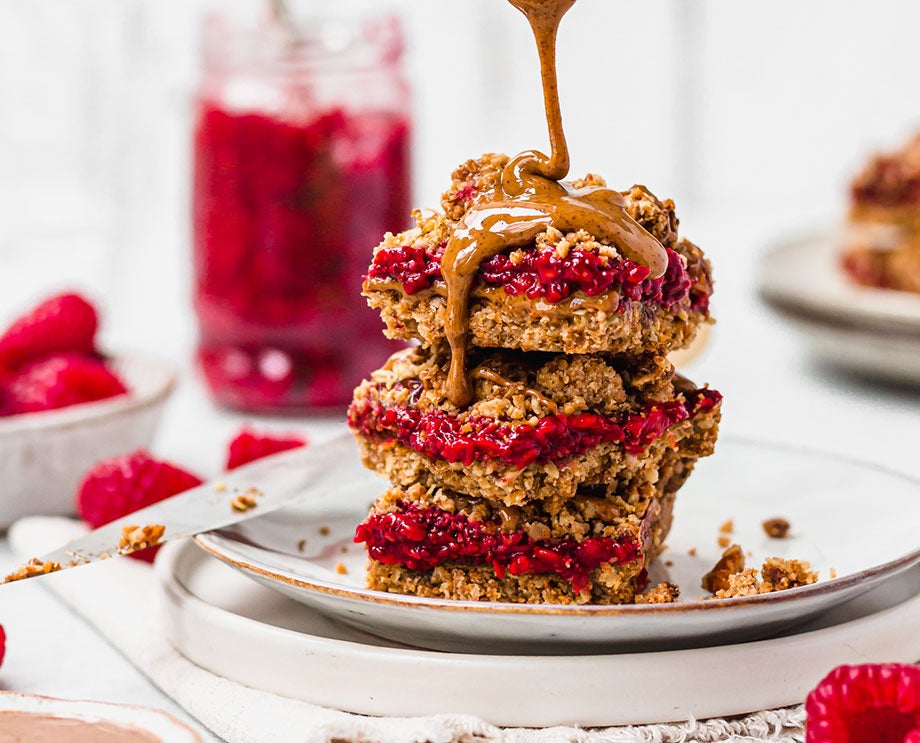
pixel 437 543
pixel 883 245
pixel 541 426
pixel 564 293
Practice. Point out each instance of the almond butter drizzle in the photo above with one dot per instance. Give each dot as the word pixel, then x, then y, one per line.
pixel 531 197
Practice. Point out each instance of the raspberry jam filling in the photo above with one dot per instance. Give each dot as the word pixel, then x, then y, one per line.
pixel 423 538
pixel 542 274
pixel 439 435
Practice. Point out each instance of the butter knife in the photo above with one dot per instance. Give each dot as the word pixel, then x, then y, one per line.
pixel 252 490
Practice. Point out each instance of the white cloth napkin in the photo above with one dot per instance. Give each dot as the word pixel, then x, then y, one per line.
pixel 106 593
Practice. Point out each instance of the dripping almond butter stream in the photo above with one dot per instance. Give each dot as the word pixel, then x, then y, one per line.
pixel 530 197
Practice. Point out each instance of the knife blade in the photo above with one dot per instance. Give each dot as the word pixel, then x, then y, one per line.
pixel 252 490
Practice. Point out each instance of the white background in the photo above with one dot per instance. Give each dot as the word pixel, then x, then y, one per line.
pixel 760 109
pixel 751 114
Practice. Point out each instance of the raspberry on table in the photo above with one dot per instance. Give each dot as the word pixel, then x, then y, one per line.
pixel 58 382
pixel 872 703
pixel 2 644
pixel 116 487
pixel 62 323
pixel 248 446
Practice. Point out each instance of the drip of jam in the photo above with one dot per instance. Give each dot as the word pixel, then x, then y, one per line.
pixel 423 538
pixel 439 435
pixel 530 198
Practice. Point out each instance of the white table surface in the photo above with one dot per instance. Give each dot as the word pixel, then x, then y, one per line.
pixel 772 391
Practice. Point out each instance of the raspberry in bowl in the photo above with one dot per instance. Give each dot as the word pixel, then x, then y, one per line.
pixel 64 404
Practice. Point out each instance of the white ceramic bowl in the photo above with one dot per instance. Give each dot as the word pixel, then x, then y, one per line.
pixel 43 456
pixel 159 724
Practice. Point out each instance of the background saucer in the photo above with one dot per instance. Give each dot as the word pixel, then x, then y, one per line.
pixel 874 332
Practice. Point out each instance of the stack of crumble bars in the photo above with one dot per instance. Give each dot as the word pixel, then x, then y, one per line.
pixel 556 485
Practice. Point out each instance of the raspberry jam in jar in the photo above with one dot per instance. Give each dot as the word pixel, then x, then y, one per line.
pixel 301 164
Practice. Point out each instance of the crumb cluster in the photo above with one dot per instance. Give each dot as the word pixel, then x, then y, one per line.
pixel 730 579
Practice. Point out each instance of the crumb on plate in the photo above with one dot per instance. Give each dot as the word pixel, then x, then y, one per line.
pixel 731 562
pixel 663 593
pixel 777 528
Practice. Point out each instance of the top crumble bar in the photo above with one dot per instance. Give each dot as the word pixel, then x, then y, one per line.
pixel 565 293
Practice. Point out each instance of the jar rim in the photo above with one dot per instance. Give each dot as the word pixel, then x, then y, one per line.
pixel 327 43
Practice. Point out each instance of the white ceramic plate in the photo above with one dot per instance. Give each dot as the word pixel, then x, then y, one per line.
pixel 243 631
pixel 875 332
pixel 43 456
pixel 828 500
pixel 157 723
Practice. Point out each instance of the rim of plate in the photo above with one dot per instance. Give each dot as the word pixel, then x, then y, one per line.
pixel 150 381
pixel 211 543
pixel 848 306
pixel 145 719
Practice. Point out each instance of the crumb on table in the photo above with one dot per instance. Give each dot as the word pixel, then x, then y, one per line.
pixel 301 545
pixel 724 540
pixel 777 528
pixel 220 487
pixel 692 552
pixel 340 568
pixel 728 527
pixel 324 531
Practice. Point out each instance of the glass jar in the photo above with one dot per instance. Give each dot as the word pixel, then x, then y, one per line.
pixel 301 164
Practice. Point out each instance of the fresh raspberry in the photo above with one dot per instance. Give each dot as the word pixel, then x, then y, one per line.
pixel 248 446
pixel 65 322
pixel 58 382
pixel 866 704
pixel 116 487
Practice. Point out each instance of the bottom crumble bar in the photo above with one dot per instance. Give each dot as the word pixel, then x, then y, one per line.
pixel 436 543
pixel 611 584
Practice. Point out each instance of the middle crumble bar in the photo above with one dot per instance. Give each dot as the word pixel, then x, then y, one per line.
pixel 542 425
